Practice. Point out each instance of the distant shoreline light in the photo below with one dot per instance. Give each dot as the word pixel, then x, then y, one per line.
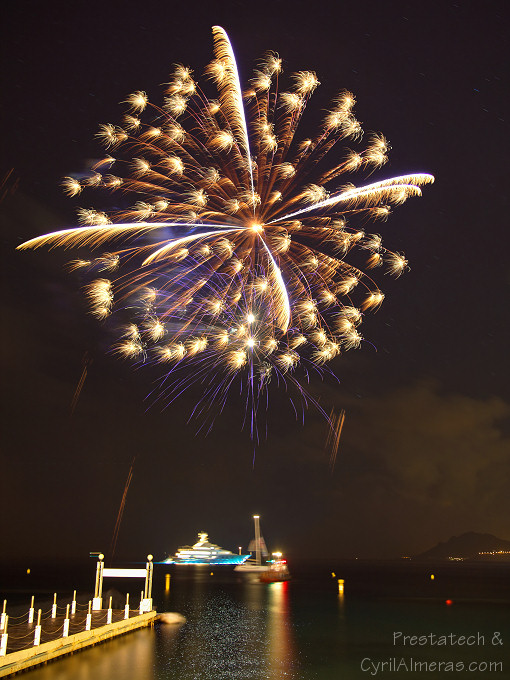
pixel 495 552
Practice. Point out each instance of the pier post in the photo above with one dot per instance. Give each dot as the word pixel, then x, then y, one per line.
pixel 31 611
pixel 37 632
pixel 54 607
pixel 73 604
pixel 65 632
pixel 3 638
pixel 147 594
pixel 109 614
pixel 126 608
pixel 2 616
pixel 97 602
pixel 150 567
pixel 141 602
pixel 88 620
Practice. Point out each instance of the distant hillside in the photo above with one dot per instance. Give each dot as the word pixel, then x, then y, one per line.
pixel 468 546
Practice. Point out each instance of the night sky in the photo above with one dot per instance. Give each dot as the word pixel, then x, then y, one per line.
pixel 425 449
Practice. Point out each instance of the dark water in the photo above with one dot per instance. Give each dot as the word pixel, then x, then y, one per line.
pixel 305 629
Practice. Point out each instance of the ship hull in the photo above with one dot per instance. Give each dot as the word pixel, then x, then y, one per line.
pixel 251 568
pixel 226 559
pixel 274 577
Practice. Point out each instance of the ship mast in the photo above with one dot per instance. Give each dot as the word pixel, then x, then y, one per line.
pixel 257 539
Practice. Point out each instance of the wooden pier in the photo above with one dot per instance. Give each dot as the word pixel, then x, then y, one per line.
pixel 22 654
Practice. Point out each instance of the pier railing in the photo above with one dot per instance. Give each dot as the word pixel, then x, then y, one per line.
pixel 35 627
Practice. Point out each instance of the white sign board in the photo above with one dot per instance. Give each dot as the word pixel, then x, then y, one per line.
pixel 125 573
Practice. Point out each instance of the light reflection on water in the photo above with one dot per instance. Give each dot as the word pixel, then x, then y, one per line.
pixel 242 632
pixel 282 650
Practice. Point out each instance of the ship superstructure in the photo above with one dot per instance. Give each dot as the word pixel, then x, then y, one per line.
pixel 204 552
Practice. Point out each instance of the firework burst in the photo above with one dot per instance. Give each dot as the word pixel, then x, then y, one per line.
pixel 241 248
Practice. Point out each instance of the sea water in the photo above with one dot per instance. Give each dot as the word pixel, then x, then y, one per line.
pixel 390 619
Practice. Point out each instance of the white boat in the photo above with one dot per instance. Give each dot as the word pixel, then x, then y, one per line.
pixel 258 545
pixel 204 552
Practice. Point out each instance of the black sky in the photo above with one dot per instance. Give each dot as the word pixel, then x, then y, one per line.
pixel 425 451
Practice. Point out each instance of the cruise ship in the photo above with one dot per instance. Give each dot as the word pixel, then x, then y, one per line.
pixel 204 552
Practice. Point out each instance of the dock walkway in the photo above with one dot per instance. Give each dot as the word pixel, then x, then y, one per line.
pixel 23 654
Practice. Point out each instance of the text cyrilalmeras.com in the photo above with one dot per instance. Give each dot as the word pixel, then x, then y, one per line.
pixel 399 664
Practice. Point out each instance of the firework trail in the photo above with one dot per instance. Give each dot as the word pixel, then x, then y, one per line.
pixel 115 536
pixel 241 247
pixel 86 362
pixel 336 423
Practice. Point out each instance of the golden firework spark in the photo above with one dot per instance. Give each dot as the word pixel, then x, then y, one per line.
pixel 225 215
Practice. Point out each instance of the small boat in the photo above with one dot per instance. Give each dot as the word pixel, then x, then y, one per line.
pixel 204 552
pixel 278 571
pixel 258 545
